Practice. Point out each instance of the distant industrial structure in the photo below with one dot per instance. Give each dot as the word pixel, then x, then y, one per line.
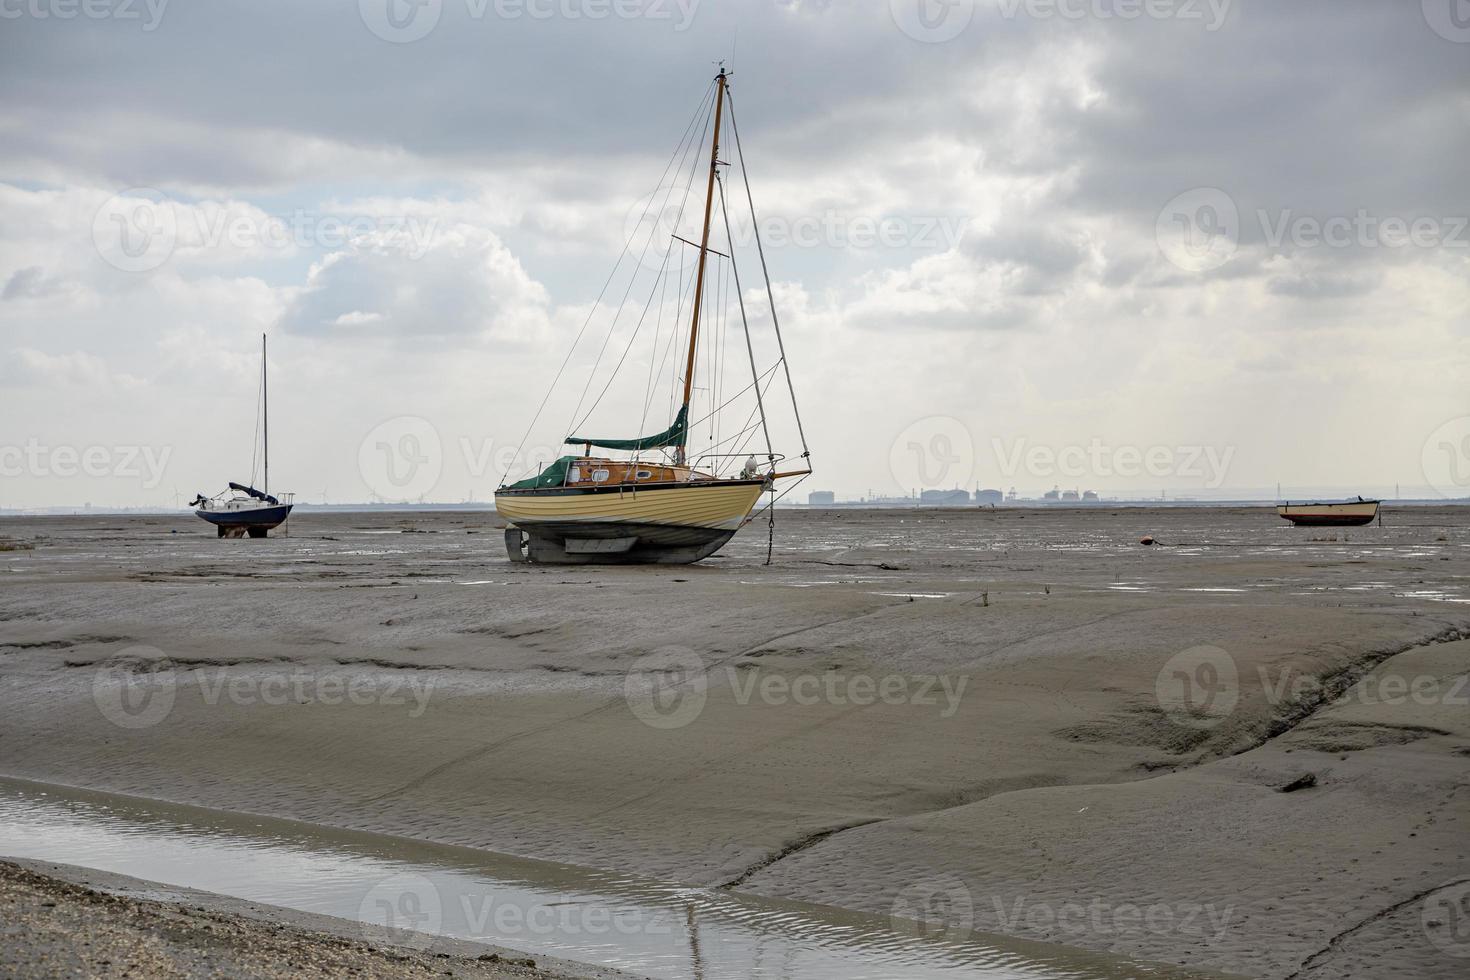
pixel 957 497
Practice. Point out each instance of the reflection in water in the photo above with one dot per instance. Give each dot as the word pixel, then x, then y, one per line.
pixel 696 962
pixel 392 885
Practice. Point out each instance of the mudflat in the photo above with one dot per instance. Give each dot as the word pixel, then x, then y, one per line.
pixel 1243 748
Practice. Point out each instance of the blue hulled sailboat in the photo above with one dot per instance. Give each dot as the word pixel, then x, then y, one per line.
pixel 241 509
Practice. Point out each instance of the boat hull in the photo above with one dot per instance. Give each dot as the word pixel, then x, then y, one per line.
pixel 1352 514
pixel 255 522
pixel 625 524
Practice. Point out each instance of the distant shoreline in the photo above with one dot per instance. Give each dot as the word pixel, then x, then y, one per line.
pixel 478 507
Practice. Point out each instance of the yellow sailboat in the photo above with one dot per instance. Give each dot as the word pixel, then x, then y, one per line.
pixel 655 505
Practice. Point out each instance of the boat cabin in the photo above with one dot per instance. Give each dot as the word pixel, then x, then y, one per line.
pixel 591 471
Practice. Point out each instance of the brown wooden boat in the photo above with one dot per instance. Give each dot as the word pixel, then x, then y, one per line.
pixel 1346 513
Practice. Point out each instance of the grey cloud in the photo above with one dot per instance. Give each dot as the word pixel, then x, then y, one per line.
pixel 30 282
pixel 1324 285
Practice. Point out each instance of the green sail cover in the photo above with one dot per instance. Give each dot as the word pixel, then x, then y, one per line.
pixel 674 436
pixel 553 476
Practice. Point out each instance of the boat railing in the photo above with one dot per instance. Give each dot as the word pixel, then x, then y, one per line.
pixel 763 464
pixel 234 499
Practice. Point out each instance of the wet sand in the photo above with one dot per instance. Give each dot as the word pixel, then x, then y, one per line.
pixel 1018 721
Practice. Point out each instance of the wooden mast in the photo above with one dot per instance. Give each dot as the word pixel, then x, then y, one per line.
pixel 709 201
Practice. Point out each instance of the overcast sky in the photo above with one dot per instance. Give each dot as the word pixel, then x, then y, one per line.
pixel 1122 245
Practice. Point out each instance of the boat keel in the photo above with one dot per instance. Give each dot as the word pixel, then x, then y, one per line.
pixel 240 531
pixel 523 545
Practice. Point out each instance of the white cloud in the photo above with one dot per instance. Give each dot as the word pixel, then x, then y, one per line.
pixel 73 369
pixel 456 280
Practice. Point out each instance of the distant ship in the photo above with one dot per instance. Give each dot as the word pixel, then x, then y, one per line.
pixel 1347 513
pixel 242 509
